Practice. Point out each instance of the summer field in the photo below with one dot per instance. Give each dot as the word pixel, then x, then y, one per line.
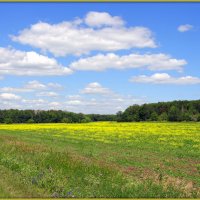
pixel 103 159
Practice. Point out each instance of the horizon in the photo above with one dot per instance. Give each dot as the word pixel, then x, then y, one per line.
pixel 98 58
pixel 98 113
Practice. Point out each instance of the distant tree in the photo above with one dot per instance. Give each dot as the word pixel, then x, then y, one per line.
pixel 131 114
pixel 144 113
pixel 86 119
pixel 119 116
pixel 161 111
pixel 1 116
pixel 185 117
pixel 154 116
pixel 163 117
pixel 65 120
pixel 8 121
pixel 30 121
pixel 173 114
pixel 198 118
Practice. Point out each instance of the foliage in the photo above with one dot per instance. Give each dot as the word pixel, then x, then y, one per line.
pixel 162 111
pixel 30 121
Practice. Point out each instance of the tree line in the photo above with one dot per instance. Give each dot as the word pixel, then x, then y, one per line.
pixel 51 116
pixel 162 111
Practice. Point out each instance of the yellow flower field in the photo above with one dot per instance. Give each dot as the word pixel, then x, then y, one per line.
pixel 164 157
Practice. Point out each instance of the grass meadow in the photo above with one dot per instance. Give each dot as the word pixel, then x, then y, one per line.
pixel 100 159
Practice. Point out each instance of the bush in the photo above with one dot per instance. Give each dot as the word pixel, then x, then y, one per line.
pixel 163 117
pixel 8 121
pixel 86 120
pixel 65 120
pixel 154 116
pixel 30 121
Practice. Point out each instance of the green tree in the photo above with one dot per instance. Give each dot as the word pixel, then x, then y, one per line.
pixel 119 116
pixel 8 121
pixel 86 119
pixel 65 120
pixel 198 118
pixel 144 112
pixel 163 117
pixel 154 116
pixel 173 114
pixel 186 117
pixel 30 121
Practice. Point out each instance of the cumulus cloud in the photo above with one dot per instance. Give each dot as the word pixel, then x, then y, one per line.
pixel 72 97
pixel 7 104
pixel 55 86
pixel 102 62
pixel 74 102
pixel 35 104
pixel 102 104
pixel 185 27
pixel 15 62
pixel 164 78
pixel 109 104
pixel 35 85
pixel 55 105
pixel 14 89
pixel 105 105
pixel 77 37
pixel 32 86
pixel 95 88
pixel 9 96
pixel 47 94
pixel 99 19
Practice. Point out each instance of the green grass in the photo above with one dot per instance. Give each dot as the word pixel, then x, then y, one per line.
pixel 100 160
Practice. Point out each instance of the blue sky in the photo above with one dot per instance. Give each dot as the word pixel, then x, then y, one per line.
pixel 98 57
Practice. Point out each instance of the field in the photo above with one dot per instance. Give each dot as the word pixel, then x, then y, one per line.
pixel 103 159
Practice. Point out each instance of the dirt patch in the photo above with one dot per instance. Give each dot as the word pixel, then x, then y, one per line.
pixel 26 147
pixel 7 137
pixel 144 174
pixel 130 170
pixel 188 187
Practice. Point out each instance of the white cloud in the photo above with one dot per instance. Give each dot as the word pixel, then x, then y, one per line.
pixel 55 85
pixel 72 97
pixel 32 86
pixel 102 62
pixel 73 37
pixel 36 85
pixel 102 104
pixel 109 104
pixel 48 94
pixel 9 96
pixel 74 102
pixel 13 89
pixel 15 62
pixel 6 104
pixel 99 19
pixel 35 104
pixel 164 78
pixel 95 88
pixel 185 27
pixel 55 105
pixel 34 101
